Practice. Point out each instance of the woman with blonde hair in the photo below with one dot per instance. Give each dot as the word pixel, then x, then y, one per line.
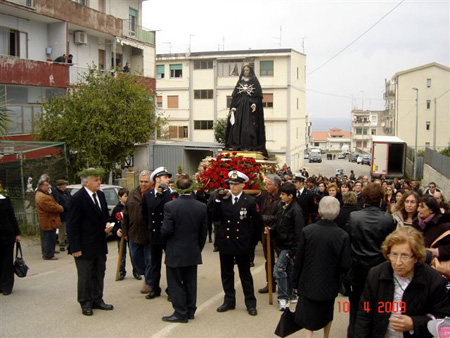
pixel 402 294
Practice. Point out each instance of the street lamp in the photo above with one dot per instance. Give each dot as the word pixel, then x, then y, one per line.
pixel 417 127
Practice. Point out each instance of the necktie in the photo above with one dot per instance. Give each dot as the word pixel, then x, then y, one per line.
pixel 94 195
pixel 236 200
pixel 298 194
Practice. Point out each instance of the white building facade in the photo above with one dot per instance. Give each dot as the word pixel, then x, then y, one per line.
pixel 194 92
pixel 365 123
pixel 431 83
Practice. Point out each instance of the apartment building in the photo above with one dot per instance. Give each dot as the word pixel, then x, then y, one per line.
pixel 429 83
pixel 366 123
pixel 194 92
pixel 33 33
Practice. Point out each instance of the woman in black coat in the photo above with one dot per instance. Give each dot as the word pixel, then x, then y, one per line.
pixel 402 294
pixel 9 234
pixel 323 254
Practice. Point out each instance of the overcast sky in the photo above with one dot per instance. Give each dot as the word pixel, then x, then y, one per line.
pixel 415 33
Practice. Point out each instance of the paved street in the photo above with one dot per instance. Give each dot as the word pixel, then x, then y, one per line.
pixel 44 304
pixel 328 167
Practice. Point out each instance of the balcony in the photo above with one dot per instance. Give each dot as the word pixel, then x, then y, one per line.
pixel 25 3
pixel 132 30
pixel 16 71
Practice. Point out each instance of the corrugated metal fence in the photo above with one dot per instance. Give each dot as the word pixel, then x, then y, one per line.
pixel 438 161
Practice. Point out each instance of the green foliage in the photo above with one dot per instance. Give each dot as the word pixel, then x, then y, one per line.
pixel 220 128
pixel 101 119
pixel 446 152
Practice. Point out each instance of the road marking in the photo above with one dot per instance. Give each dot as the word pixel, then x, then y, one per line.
pixel 41 274
pixel 216 299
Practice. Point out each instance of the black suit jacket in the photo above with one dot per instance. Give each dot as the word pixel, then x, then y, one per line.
pixel 185 229
pixel 153 213
pixel 240 225
pixel 86 225
pixel 306 202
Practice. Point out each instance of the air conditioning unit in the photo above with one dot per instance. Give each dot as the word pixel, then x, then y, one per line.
pixel 81 38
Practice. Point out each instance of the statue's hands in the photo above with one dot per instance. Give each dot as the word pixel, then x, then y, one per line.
pixel 233 109
pixel 253 106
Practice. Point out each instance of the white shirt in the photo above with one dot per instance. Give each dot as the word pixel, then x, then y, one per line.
pixel 299 192
pixel 91 194
pixel 234 196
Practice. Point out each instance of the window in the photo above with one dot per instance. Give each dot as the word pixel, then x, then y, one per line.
pixel 176 70
pixel 267 100
pixel 428 83
pixel 172 101
pixel 13 42
pixel 358 144
pixel 178 131
pixel 203 125
pixel 428 125
pixel 229 99
pixel 373 131
pixel 183 131
pixel 159 100
pixel 428 104
pixel 101 59
pixel 203 94
pixel 81 2
pixel 229 68
pixel 266 68
pixel 374 118
pixel 160 71
pixel 203 64
pixel 360 131
pixel 316 144
pixel 132 16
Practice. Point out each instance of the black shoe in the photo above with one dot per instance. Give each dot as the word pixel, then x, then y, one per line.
pixel 174 319
pixel 252 264
pixel 136 275
pixel 169 299
pixel 122 276
pixel 87 311
pixel 210 240
pixel 101 305
pixel 152 295
pixel 266 289
pixel 6 293
pixel 215 249
pixel 225 307
pixel 191 316
pixel 252 311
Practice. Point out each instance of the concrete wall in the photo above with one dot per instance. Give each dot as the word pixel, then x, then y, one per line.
pixel 442 182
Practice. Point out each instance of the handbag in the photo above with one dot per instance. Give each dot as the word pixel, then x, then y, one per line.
pixel 287 325
pixel 20 268
pixel 443 267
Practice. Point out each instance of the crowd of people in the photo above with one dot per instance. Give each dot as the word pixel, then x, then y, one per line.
pixel 383 244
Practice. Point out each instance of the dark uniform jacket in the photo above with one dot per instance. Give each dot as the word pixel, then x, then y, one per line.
pixel 153 213
pixel 426 294
pixel 323 254
pixel 185 229
pixel 86 225
pixel 240 225
pixel 134 225
pixel 63 199
pixel 306 202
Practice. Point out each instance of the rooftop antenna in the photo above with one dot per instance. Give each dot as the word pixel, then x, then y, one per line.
pixel 223 43
pixel 170 46
pixel 190 40
pixel 279 37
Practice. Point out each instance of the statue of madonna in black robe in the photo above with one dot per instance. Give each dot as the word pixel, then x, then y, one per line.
pixel 245 123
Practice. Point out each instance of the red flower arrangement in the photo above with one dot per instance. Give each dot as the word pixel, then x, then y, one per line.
pixel 215 173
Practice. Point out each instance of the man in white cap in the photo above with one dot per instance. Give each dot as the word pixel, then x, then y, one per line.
pixel 239 230
pixel 153 212
pixel 304 197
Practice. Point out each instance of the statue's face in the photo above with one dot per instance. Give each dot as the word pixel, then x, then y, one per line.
pixel 246 71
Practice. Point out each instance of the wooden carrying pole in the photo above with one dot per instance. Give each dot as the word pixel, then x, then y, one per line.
pixel 119 260
pixel 269 269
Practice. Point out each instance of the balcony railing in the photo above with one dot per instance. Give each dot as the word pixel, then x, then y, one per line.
pixel 137 32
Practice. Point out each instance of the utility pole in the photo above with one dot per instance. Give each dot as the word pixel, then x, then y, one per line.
pixel 417 127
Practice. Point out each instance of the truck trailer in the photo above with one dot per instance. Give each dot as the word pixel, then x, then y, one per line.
pixel 388 157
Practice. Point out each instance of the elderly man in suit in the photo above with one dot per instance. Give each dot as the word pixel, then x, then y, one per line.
pixel 239 231
pixel 185 228
pixel 87 220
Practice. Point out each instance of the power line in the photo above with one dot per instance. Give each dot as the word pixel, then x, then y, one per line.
pixel 360 36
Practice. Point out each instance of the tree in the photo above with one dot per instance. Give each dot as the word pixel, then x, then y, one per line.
pixel 101 119
pixel 220 128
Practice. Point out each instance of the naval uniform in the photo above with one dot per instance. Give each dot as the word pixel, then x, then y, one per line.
pixel 238 231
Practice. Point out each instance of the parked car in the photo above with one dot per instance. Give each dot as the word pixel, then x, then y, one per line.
pixel 366 159
pixel 341 155
pixel 359 159
pixel 353 157
pixel 315 157
pixel 306 156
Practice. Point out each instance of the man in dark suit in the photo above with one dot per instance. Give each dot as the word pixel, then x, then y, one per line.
pixel 185 229
pixel 239 231
pixel 87 219
pixel 304 197
pixel 153 213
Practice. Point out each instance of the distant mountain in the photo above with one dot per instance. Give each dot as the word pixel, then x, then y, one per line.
pixel 324 124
